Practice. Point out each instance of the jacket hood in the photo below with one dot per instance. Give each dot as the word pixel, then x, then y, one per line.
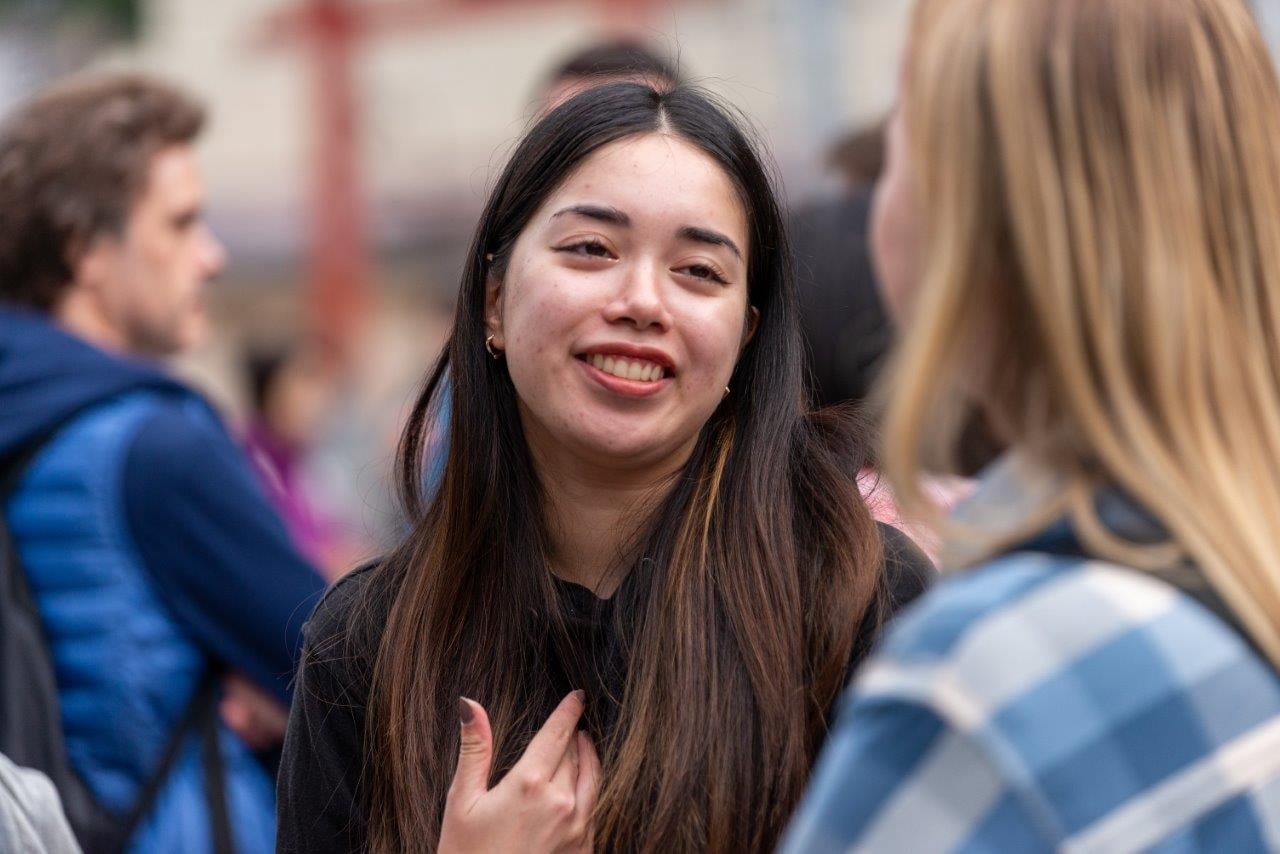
pixel 47 376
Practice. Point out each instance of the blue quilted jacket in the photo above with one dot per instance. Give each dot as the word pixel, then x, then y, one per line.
pixel 152 557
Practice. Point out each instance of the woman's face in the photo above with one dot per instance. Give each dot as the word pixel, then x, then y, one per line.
pixel 896 233
pixel 623 308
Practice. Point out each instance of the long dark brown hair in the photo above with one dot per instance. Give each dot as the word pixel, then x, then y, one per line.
pixel 758 565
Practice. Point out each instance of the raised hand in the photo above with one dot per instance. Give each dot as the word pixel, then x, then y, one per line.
pixel 542 805
pixel 251 713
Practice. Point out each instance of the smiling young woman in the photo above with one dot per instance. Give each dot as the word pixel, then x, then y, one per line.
pixel 637 510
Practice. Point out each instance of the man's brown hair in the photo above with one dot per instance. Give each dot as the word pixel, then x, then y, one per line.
pixel 73 161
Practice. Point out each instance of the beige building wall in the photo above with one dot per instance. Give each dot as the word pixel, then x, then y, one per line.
pixel 441 108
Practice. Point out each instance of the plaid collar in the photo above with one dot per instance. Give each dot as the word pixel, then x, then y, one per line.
pixel 1019 503
pixel 1021 500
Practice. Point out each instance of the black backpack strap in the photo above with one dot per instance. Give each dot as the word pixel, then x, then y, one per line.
pixel 201 714
pixel 31 729
pixel 215 790
pixel 200 717
pixel 14 465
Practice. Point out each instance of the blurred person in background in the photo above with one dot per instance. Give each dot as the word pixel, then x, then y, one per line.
pixel 31 816
pixel 1080 228
pixel 290 395
pixel 619 60
pixel 640 529
pixel 153 558
pixel 848 332
pixel 843 318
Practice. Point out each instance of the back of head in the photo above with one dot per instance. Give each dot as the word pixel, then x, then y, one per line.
pixel 72 162
pixel 619 60
pixel 1102 224
pixel 858 157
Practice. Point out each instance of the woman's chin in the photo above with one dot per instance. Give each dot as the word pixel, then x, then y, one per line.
pixel 627 448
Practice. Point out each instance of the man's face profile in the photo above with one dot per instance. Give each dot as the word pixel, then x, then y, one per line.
pixel 151 278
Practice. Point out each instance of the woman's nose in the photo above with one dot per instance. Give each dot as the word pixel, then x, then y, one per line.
pixel 639 300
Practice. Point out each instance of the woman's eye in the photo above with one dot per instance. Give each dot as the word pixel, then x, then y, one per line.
pixel 703 271
pixel 588 248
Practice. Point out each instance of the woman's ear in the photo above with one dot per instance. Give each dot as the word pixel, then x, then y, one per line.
pixel 493 311
pixel 752 324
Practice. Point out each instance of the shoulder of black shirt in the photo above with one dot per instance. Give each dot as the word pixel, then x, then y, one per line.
pixel 344 630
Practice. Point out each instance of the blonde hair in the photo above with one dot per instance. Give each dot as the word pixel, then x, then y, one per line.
pixel 1101 191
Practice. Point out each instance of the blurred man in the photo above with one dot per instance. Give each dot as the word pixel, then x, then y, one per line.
pixel 153 559
pixel 620 60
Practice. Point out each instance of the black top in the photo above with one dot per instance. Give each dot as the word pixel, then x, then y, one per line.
pixel 319 809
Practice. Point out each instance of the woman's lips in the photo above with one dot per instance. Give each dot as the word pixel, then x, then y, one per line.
pixel 625 386
pixel 627 351
pixel 626 367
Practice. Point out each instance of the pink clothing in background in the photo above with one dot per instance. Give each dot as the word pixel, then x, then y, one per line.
pixel 943 492
pixel 279 469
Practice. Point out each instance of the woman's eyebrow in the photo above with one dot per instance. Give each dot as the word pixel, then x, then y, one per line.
pixel 706 235
pixel 604 213
pixel 609 214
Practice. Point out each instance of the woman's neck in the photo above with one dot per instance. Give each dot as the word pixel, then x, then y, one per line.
pixel 594 512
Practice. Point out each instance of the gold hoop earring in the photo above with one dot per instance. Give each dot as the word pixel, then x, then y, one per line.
pixel 488 345
pixel 726 391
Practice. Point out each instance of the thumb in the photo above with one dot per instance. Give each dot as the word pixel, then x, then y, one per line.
pixel 475 751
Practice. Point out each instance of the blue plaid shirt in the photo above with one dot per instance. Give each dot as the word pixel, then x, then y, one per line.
pixel 1047 702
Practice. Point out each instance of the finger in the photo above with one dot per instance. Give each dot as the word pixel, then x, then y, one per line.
pixel 275 720
pixel 566 776
pixel 475 750
pixel 542 757
pixel 589 776
pixel 234 714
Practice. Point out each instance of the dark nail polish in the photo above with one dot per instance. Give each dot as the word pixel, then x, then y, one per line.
pixel 582 696
pixel 465 712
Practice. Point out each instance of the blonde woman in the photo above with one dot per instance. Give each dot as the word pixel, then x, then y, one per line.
pixel 1080 229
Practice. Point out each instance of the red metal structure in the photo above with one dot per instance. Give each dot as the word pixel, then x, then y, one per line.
pixel 332 31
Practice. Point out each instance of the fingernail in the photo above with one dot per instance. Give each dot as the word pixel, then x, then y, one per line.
pixel 582 696
pixel 465 712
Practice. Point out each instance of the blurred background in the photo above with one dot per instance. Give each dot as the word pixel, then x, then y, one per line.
pixel 353 142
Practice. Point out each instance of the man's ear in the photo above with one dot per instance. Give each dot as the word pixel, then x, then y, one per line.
pixel 90 263
pixel 493 311
pixel 752 324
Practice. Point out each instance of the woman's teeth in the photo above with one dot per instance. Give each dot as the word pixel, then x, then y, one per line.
pixel 626 369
